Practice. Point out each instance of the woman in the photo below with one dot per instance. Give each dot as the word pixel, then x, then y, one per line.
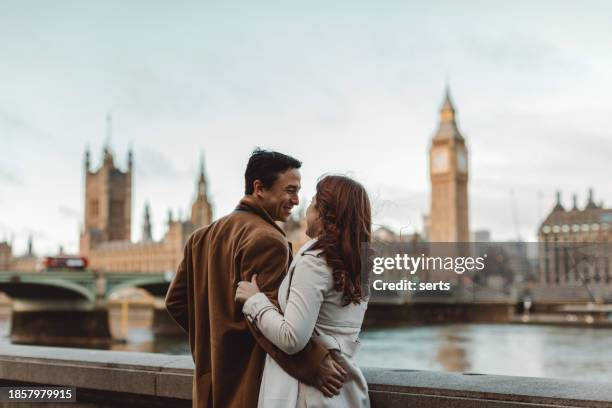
pixel 321 297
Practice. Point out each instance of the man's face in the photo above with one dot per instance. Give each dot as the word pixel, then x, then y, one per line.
pixel 282 196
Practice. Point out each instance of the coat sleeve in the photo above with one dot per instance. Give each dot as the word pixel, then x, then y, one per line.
pixel 268 257
pixel 290 332
pixel 177 303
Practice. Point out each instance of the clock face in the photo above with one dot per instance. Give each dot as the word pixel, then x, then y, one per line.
pixel 462 161
pixel 439 161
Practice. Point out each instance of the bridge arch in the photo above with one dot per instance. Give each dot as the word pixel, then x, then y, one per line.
pixel 47 289
pixel 155 285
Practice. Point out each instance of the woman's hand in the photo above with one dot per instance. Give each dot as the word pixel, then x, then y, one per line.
pixel 246 289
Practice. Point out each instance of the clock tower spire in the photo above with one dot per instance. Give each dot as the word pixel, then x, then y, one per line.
pixel 448 171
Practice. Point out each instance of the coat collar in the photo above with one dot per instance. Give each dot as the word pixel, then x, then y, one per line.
pixel 308 247
pixel 249 203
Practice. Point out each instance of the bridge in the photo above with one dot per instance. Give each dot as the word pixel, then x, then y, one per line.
pixel 71 307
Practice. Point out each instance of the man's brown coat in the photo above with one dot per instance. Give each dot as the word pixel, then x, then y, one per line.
pixel 229 353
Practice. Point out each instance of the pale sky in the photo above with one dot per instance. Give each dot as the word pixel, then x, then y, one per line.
pixel 351 87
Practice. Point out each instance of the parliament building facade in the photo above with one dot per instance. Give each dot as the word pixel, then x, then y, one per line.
pixel 106 236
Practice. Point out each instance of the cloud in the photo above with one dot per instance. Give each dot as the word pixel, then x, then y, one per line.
pixel 9 177
pixel 36 234
pixel 153 164
pixel 13 126
pixel 398 207
pixel 68 212
pixel 519 52
pixel 5 230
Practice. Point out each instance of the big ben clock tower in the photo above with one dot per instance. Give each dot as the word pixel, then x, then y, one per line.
pixel 448 170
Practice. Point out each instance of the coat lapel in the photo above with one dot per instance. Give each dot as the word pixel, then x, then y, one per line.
pixel 248 203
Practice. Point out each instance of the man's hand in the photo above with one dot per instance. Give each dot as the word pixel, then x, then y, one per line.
pixel 331 375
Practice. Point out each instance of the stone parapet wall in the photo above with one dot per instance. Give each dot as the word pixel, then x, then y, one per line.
pixel 114 378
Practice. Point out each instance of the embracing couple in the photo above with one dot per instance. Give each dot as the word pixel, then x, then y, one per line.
pixel 266 329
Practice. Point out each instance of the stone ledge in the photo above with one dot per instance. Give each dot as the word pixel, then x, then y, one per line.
pixel 523 390
pixel 147 375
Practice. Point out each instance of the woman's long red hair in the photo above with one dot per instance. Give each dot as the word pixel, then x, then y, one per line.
pixel 345 212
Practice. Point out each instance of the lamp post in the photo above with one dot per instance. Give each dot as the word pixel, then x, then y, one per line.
pixel 402 228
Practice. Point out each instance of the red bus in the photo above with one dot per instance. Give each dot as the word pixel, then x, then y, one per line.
pixel 65 262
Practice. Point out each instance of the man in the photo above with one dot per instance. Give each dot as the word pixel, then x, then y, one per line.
pixel 228 352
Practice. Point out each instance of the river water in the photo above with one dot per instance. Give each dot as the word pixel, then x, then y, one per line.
pixel 506 349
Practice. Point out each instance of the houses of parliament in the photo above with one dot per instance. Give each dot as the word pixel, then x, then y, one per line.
pixel 106 236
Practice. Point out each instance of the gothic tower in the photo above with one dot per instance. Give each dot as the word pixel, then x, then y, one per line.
pixel 108 201
pixel 448 170
pixel 201 211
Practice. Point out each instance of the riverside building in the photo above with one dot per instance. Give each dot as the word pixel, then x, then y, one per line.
pixel 575 246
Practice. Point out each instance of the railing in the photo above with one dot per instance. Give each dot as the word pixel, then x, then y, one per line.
pixel 116 378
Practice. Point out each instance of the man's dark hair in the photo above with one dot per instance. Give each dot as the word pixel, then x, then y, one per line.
pixel 265 166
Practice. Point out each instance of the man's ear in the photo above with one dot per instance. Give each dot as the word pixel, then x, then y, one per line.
pixel 258 188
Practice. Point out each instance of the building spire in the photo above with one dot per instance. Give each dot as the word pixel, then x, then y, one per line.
pixel 202 163
pixel 130 158
pixel 147 235
pixel 447 128
pixel 109 131
pixel 591 202
pixel 558 205
pixel 202 178
pixel 447 111
pixel 30 245
pixel 108 154
pixel 87 159
pixel 201 210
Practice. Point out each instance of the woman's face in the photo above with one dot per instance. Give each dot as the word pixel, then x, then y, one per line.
pixel 313 221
